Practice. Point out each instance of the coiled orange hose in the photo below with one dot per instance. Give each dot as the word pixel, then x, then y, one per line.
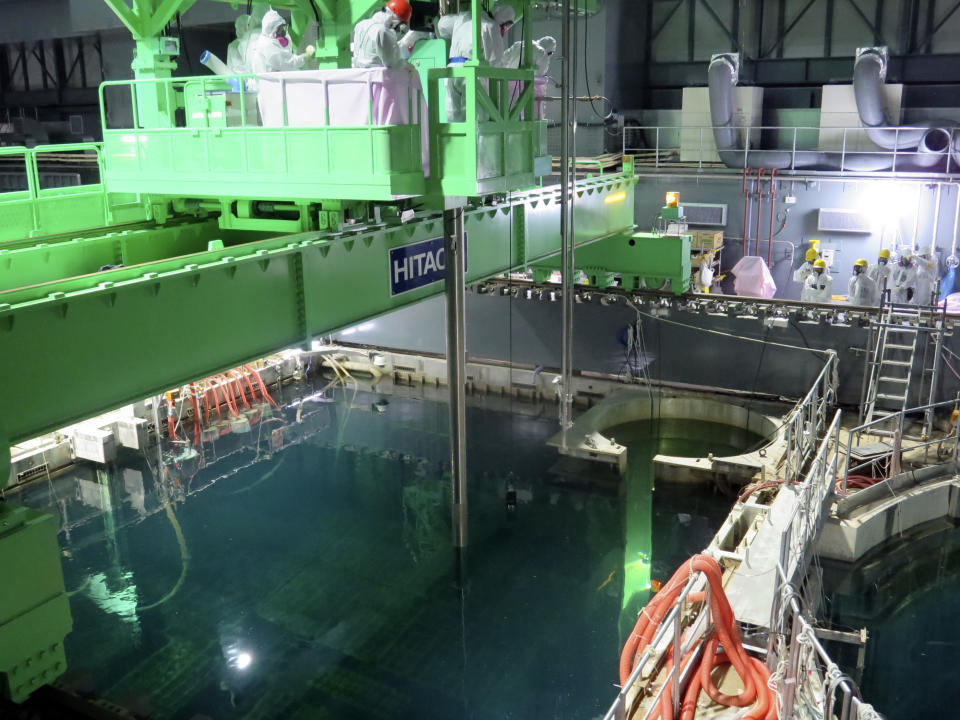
pixel 725 635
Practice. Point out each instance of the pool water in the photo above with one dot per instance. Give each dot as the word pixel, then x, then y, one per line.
pixel 905 593
pixel 317 580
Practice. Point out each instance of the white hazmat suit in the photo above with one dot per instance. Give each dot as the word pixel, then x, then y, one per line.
pixel 492 27
pixel 375 44
pixel 273 53
pixel 903 283
pixel 863 290
pixel 817 288
pixel 803 272
pixel 880 274
pixel 926 277
pixel 542 52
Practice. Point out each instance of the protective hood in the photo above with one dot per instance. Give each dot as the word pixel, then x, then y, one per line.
pixel 503 14
pixel 271 21
pixel 242 25
pixel 548 44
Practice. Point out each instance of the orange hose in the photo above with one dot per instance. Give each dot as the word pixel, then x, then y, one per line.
pixel 263 387
pixel 725 635
pixel 246 377
pixel 240 392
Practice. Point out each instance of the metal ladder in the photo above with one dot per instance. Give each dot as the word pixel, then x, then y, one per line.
pixel 898 339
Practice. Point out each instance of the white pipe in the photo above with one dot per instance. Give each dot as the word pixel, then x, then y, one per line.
pixel 214 64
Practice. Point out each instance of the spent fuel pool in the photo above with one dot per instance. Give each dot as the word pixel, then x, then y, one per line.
pixel 302 567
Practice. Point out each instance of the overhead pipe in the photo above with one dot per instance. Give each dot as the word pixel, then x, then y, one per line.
pixel 756 246
pixel 773 204
pixel 746 214
pixel 722 76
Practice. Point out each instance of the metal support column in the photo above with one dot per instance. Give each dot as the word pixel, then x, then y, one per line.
pixel 453 237
pixel 566 230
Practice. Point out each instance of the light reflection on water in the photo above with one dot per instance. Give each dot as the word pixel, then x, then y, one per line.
pixel 309 574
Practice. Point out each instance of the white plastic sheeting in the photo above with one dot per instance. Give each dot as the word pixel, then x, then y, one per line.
pixel 348 97
pixel 752 278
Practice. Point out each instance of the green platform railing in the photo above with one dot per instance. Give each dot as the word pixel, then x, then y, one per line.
pixel 497 144
pixel 34 209
pixel 206 140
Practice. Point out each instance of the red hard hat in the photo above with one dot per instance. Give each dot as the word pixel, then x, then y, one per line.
pixel 402 9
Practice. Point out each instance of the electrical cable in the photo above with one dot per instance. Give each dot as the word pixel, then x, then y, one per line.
pixel 586 73
pixel 726 334
pixel 184 559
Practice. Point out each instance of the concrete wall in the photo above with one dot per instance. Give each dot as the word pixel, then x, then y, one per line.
pixel 893 205
pixel 528 332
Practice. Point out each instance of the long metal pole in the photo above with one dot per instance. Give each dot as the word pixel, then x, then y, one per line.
pixel 453 250
pixel 565 229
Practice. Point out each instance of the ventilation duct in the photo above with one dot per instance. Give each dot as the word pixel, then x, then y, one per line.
pixel 931 143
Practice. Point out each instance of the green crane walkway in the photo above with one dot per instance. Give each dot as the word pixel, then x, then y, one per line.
pixel 73 347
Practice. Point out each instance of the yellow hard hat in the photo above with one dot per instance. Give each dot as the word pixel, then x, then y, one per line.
pixel 812 255
pixel 820 264
pixel 885 253
pixel 814 243
pixel 862 262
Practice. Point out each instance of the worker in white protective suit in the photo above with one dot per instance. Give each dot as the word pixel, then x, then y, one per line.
pixel 818 287
pixel 705 276
pixel 861 288
pixel 493 26
pixel 806 270
pixel 447 24
pixel 542 51
pixel 903 280
pixel 236 57
pixel 375 41
pixel 926 276
pixel 273 50
pixel 880 273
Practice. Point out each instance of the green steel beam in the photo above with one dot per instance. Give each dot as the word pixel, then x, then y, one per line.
pixel 31 264
pixel 134 331
pixel 641 259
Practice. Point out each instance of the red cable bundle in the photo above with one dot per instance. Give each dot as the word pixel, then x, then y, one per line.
pixel 263 387
pixel 725 635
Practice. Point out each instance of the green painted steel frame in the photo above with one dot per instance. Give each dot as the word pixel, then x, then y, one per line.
pixel 642 257
pixel 495 148
pixel 124 334
pixel 156 157
pixel 39 211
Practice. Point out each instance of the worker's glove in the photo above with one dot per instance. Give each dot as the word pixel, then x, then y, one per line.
pixel 309 50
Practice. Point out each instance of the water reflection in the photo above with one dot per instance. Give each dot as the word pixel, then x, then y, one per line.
pixel 300 567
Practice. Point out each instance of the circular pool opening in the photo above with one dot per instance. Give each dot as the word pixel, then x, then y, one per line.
pixel 687 438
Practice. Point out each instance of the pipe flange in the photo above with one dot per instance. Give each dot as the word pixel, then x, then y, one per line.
pixel 732 61
pixel 881 53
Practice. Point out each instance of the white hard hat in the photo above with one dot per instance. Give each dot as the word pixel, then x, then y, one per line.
pixel 271 21
pixel 925 250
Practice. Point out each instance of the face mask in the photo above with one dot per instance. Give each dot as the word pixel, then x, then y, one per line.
pixel 883 261
pixel 283 41
pixel 857 270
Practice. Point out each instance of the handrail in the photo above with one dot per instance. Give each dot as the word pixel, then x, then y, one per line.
pixel 240 85
pixel 664 141
pixel 811 670
pixel 671 622
pixel 818 484
pixel 898 417
pixel 807 419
